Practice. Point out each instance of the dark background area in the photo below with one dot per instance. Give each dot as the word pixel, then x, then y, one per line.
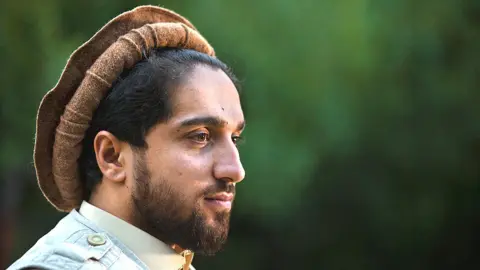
pixel 363 138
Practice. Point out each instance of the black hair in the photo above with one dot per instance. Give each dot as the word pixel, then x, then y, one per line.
pixel 138 100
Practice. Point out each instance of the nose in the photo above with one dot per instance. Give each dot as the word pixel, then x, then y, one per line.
pixel 227 166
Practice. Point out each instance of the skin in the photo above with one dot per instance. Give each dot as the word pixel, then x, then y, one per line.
pixel 189 158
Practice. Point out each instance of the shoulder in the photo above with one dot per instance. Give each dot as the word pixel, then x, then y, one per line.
pixel 74 253
pixel 70 245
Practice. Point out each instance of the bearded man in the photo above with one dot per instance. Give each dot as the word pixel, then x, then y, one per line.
pixel 137 141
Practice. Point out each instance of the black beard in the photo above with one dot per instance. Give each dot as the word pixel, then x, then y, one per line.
pixel 159 212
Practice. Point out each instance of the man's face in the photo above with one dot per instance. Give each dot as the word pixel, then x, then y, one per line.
pixel 183 184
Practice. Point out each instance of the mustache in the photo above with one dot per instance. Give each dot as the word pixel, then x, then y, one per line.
pixel 218 187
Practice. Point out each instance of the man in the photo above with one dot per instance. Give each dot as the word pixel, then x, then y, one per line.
pixel 138 142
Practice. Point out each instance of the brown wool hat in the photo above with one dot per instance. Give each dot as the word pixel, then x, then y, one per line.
pixel 65 112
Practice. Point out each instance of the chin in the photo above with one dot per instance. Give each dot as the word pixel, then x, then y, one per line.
pixel 219 226
pixel 219 218
pixel 218 222
pixel 210 230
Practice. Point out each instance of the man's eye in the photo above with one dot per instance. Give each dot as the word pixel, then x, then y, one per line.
pixel 201 137
pixel 237 139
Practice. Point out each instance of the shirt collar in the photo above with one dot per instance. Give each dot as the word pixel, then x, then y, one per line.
pixel 153 252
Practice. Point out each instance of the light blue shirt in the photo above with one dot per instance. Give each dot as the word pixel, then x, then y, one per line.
pixel 96 239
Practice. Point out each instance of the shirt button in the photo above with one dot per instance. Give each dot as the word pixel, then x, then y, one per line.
pixel 96 240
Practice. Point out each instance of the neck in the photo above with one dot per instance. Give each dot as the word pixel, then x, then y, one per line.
pixel 110 204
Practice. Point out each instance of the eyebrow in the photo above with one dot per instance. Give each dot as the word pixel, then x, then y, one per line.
pixel 208 121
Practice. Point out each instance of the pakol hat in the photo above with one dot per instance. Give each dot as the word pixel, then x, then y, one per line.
pixel 65 111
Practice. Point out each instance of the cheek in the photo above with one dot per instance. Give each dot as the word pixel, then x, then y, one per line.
pixel 186 172
pixel 189 162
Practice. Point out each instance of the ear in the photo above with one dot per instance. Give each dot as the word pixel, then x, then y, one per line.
pixel 110 154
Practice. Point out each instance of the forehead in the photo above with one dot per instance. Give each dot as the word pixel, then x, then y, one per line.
pixel 207 92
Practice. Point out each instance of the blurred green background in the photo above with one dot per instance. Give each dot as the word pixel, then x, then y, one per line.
pixel 363 137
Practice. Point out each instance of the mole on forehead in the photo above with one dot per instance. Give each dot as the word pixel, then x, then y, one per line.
pixel 202 102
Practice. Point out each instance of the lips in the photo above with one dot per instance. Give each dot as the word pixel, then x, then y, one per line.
pixel 220 200
pixel 225 197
